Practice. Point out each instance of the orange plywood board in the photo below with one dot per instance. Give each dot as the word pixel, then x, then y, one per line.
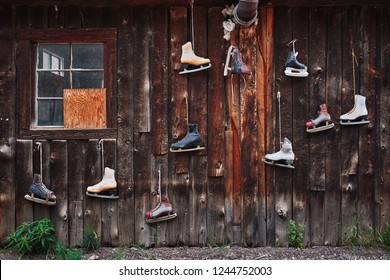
pixel 85 108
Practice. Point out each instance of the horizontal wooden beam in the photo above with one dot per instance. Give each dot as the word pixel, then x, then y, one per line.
pixel 209 3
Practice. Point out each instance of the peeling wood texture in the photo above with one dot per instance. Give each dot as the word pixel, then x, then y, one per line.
pixel 223 194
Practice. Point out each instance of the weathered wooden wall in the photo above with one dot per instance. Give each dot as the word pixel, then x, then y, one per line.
pixel 223 194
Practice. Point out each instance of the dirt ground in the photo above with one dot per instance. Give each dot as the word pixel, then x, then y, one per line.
pixel 224 253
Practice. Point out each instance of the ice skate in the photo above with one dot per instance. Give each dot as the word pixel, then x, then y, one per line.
pixel 162 212
pixel 39 193
pixel 191 142
pixel 322 122
pixel 293 67
pixel 106 188
pixel 237 65
pixel 358 114
pixel 284 158
pixel 191 62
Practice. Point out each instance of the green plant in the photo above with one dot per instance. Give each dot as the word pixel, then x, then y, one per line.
pixel 63 253
pixel 32 237
pixel 295 234
pixel 363 236
pixel 91 239
pixel 385 237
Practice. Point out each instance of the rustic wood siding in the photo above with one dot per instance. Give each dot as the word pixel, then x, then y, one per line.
pixel 224 194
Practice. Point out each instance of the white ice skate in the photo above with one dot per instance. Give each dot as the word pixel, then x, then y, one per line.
pixel 321 123
pixel 191 62
pixel 106 188
pixel 162 212
pixel 284 158
pixel 358 115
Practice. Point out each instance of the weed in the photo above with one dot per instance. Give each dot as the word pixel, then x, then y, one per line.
pixel 32 237
pixel 363 236
pixel 91 239
pixel 63 253
pixel 295 234
pixel 385 237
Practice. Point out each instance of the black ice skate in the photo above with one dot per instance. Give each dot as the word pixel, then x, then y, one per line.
pixel 293 67
pixel 106 188
pixel 191 142
pixel 237 66
pixel 321 123
pixel 39 193
pixel 191 62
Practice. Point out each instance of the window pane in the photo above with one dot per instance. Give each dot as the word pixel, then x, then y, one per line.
pixel 87 56
pixel 51 84
pixel 50 113
pixel 53 56
pixel 87 79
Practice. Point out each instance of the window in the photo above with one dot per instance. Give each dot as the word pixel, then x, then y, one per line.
pixel 52 62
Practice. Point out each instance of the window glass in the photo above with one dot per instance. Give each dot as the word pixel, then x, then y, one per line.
pixel 87 56
pixel 50 112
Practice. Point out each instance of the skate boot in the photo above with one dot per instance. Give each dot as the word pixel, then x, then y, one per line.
pixel 106 188
pixel 322 122
pixel 284 158
pixel 191 62
pixel 238 66
pixel 358 114
pixel 191 142
pixel 293 67
pixel 162 212
pixel 40 193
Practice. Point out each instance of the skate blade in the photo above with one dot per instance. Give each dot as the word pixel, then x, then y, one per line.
pixel 296 73
pixel 180 150
pixel 196 69
pixel 320 128
pixel 111 196
pixel 287 165
pixel 40 200
pixel 170 216
pixel 227 61
pixel 354 122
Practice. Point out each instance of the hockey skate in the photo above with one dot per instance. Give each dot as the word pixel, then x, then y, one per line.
pixel 293 67
pixel 322 122
pixel 191 142
pixel 191 62
pixel 238 66
pixel 358 114
pixel 106 188
pixel 162 212
pixel 284 158
pixel 39 193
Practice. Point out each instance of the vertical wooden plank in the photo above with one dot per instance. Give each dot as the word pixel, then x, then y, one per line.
pixel 39 16
pixel 109 17
pixel 333 94
pixel 59 185
pixel 365 206
pixel 142 43
pixel 110 232
pixel 72 16
pixel 90 16
pixel 283 176
pixel 142 171
pixel 216 129
pixel 125 162
pixel 216 100
pixel 7 121
pixel 76 154
pixel 24 163
pixel 159 77
pixel 249 141
pixel 56 16
pixel 23 55
pixel 383 192
pixel 315 161
pixel 22 17
pixel 178 85
pixel 92 175
pixel 270 123
pixel 350 134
